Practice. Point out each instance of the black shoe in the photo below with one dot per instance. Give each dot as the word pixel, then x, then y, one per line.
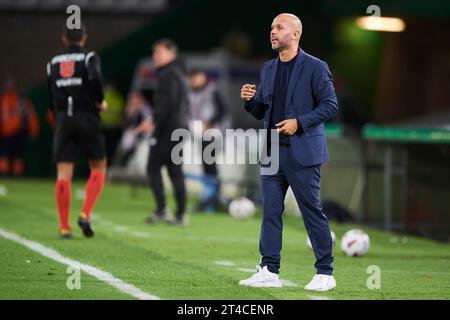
pixel 159 216
pixel 180 220
pixel 85 226
pixel 65 235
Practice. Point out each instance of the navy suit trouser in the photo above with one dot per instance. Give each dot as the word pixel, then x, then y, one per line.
pixel 305 184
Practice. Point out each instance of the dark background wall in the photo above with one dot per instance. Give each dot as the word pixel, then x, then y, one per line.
pixel 28 40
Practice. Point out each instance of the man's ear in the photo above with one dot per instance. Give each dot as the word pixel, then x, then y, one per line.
pixel 64 40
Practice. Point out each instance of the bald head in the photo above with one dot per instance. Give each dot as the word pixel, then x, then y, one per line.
pixel 285 32
pixel 292 19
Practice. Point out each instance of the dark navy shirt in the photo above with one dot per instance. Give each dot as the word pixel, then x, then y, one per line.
pixel 284 72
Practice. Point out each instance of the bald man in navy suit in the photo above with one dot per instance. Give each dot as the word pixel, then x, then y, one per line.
pixel 295 97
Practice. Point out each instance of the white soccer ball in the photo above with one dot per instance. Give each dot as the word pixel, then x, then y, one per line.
pixel 241 208
pixel 309 245
pixel 355 243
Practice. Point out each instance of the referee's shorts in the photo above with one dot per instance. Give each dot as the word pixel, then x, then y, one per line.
pixel 81 130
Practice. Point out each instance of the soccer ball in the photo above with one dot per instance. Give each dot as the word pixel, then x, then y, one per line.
pixel 241 208
pixel 309 245
pixel 355 243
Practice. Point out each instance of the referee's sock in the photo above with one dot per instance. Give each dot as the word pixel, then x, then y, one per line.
pixel 94 188
pixel 62 194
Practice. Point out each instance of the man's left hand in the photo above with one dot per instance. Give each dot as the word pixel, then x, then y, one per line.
pixel 287 127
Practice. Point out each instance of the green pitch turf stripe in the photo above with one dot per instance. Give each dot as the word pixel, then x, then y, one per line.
pixel 95 272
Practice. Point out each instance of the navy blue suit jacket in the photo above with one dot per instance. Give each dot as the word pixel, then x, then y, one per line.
pixel 310 99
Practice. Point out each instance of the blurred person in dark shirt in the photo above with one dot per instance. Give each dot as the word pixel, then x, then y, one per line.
pixel 170 112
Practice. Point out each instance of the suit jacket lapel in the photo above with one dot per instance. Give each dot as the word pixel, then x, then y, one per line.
pixel 272 74
pixel 298 66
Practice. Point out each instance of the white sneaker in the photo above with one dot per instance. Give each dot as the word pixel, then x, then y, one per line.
pixel 321 282
pixel 263 278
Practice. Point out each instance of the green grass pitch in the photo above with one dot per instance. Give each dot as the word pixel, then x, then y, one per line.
pixel 174 262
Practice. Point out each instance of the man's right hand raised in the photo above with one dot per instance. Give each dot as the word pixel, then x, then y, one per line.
pixel 103 106
pixel 248 91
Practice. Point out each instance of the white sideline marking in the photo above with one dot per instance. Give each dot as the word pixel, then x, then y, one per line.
pixel 121 229
pixel 288 283
pixel 225 263
pixel 95 272
pixel 311 297
pixel 140 234
pixel 247 270
pixel 161 235
pixel 124 229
